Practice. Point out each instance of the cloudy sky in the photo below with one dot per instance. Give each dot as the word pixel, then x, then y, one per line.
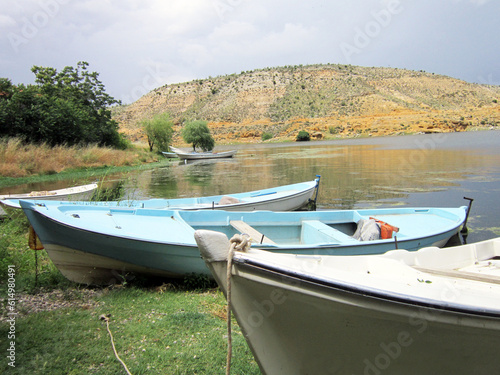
pixel 138 45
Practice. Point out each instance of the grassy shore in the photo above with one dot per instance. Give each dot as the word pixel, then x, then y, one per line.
pixel 20 160
pixel 161 327
pixel 55 326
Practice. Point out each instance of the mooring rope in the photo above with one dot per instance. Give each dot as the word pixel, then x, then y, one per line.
pixel 106 319
pixel 240 242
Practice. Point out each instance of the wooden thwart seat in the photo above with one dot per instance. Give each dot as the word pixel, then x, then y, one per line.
pixel 254 234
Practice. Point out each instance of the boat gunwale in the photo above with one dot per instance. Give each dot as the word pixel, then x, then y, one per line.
pixel 192 226
pixel 300 188
pixel 282 273
pixel 113 235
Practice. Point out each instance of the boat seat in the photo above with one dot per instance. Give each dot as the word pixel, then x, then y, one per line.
pixel 315 231
pixel 254 234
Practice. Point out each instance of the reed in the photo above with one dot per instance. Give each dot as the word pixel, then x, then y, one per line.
pixel 22 160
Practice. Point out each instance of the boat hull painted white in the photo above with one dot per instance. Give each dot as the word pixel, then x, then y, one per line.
pixel 376 336
pixel 283 198
pixel 10 202
pixel 203 155
pixel 298 325
pixel 287 203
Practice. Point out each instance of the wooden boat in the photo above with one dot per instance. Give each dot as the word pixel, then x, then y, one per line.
pixel 92 244
pixel 433 311
pixel 184 155
pixel 76 192
pixel 282 198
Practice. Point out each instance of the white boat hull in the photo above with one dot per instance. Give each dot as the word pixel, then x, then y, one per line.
pixel 10 202
pixel 203 155
pixel 282 198
pixel 295 325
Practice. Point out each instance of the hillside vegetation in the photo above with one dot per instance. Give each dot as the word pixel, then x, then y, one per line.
pixel 326 100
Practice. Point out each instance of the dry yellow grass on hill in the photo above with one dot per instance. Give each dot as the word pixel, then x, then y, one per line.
pixel 328 101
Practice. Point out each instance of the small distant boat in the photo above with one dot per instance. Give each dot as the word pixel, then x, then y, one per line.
pixel 433 311
pixel 77 192
pixel 171 155
pixel 184 155
pixel 89 244
pixel 282 198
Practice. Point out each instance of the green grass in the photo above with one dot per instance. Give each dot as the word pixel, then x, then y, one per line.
pixel 157 328
pixel 79 174
pixel 155 332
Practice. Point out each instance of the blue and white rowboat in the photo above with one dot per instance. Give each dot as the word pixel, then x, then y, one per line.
pixel 92 244
pixel 282 198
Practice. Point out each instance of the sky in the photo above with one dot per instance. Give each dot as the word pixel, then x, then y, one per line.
pixel 139 45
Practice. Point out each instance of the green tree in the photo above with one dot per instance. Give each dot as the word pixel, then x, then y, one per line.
pixel 67 107
pixel 159 131
pixel 197 133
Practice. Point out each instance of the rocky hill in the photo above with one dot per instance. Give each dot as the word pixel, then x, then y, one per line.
pixel 328 101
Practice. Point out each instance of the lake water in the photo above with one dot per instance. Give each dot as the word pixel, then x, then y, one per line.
pixel 436 170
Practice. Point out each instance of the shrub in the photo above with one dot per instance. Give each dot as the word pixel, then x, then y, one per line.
pixel 303 136
pixel 336 129
pixel 265 136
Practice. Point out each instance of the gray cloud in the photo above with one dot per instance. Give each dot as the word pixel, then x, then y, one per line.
pixel 139 45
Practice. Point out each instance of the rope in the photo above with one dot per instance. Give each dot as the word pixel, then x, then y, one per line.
pixel 240 243
pixel 106 319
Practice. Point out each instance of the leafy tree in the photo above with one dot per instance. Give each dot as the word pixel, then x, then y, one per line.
pixel 159 131
pixel 197 133
pixel 67 107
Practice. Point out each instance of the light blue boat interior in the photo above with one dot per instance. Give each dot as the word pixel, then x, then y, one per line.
pixel 297 229
pixel 327 227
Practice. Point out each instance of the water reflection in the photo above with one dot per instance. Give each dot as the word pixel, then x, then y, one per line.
pixel 426 170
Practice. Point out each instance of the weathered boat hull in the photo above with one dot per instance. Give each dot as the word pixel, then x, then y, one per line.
pixel 203 155
pixel 162 242
pixel 282 198
pixel 10 202
pixel 297 323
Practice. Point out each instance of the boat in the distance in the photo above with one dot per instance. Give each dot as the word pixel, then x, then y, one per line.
pixel 92 244
pixel 433 311
pixel 193 155
pixel 170 155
